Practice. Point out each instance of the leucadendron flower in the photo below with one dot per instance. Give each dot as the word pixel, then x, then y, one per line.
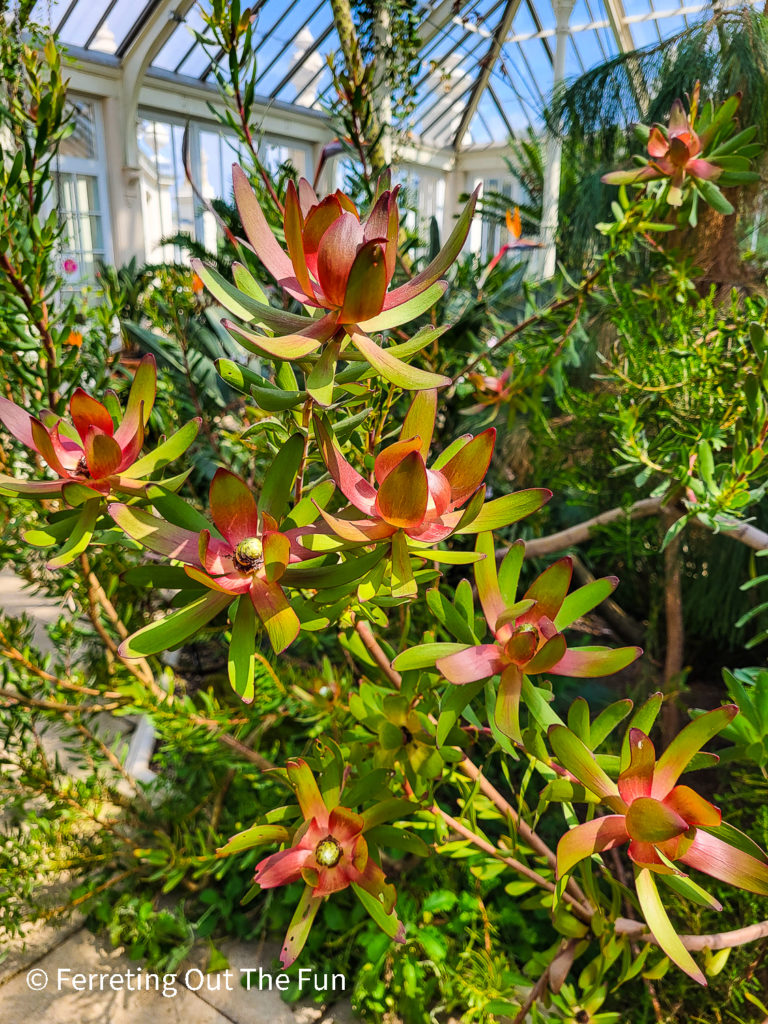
pixel 515 228
pixel 697 154
pixel 666 825
pixel 243 555
pixel 342 265
pixel 528 633
pixel 415 505
pixel 674 153
pixel 328 852
pixel 98 452
pixel 94 456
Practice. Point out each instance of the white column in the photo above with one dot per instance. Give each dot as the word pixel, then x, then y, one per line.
pixel 123 181
pixel 553 153
pixel 456 182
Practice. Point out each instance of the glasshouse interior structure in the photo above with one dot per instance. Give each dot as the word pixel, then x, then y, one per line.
pixel 383 511
pixel 484 72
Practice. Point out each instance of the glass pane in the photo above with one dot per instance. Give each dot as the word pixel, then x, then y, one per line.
pixel 179 43
pixel 87 194
pixel 211 171
pixel 90 233
pixel 185 200
pixel 276 153
pixel 69 239
pixel 82 237
pixel 81 23
pixel 82 142
pixel 167 200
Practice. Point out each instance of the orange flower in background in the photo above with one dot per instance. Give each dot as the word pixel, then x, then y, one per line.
pixel 515 228
pixel 74 338
pixel 197 283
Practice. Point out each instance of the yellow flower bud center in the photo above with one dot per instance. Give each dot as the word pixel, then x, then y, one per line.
pixel 328 852
pixel 248 556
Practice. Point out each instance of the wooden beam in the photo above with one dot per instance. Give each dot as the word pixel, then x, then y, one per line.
pixel 485 67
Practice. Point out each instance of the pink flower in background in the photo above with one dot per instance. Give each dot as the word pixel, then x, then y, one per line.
pixel 70 266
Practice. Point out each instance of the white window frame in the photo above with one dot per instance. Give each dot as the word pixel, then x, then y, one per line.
pixel 93 167
pixel 199 125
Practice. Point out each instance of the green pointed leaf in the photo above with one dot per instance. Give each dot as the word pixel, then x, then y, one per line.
pixel 578 720
pixel 394 370
pixel 273 400
pixel 247 308
pixel 642 719
pixel 538 707
pixel 53 532
pixel 579 760
pixel 507 510
pixel 392 809
pixel 584 600
pixel 607 721
pixel 242 647
pixel 388 923
pixel 403 582
pixel 444 611
pixel 240 377
pixel 175 510
pixel 279 478
pixel 454 702
pixel 246 282
pixel 349 571
pixel 300 926
pixel 171 631
pixel 167 577
pixel 688 889
pixel 672 763
pixel 406 311
pixel 443 557
pixel 509 572
pixel 448 453
pixel 398 839
pixel 714 197
pixel 256 835
pixel 420 420
pixel 165 452
pixel 321 377
pixel 425 656
pixel 658 921
pixel 80 537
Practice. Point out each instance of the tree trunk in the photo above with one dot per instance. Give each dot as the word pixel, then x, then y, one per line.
pixel 353 58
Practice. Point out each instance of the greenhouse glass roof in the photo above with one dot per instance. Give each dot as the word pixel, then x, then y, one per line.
pixel 294 37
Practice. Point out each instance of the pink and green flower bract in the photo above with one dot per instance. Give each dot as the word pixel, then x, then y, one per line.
pixel 328 851
pixel 247 557
pixel 343 265
pixel 408 496
pixel 673 155
pixel 664 823
pixel 413 505
pixel 91 451
pixel 528 634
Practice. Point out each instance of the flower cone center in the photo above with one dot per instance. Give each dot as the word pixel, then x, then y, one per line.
pixel 523 643
pixel 249 555
pixel 328 852
pixel 650 821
